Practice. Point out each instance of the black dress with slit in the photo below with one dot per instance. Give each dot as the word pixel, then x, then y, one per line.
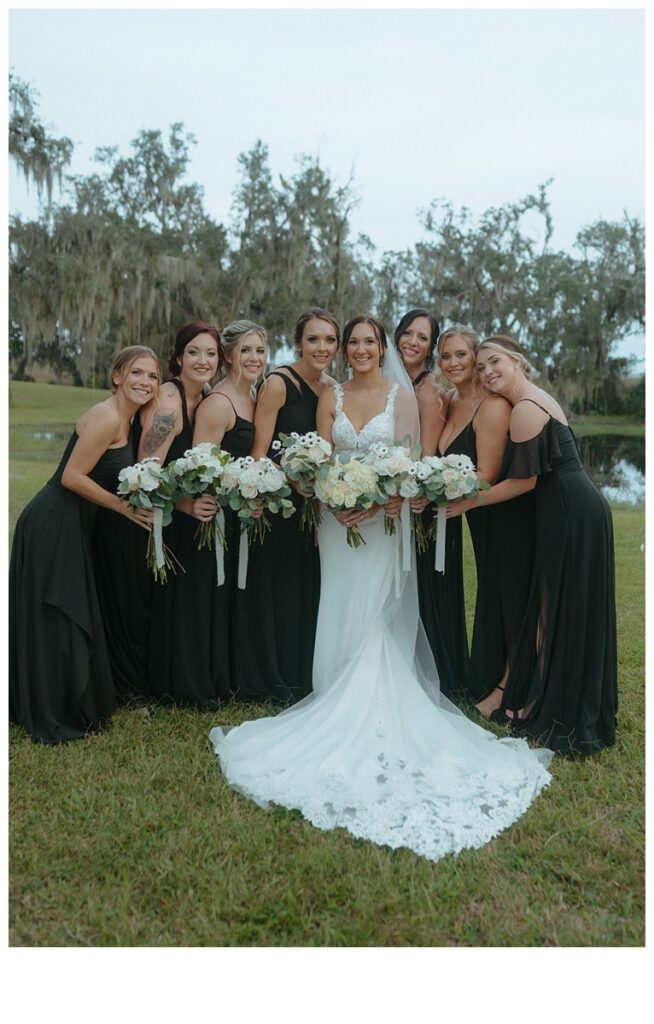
pixel 503 579
pixel 504 539
pixel 60 681
pixel 563 675
pixel 276 614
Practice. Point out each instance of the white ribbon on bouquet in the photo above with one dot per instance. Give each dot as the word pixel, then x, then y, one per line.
pixel 157 537
pixel 403 539
pixel 441 523
pixel 243 549
pixel 218 543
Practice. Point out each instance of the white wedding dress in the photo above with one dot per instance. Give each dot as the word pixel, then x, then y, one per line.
pixel 376 749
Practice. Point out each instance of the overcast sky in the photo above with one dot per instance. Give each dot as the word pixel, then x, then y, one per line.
pixel 478 106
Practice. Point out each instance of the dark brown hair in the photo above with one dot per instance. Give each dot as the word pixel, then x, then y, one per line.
pixel 315 313
pixel 407 320
pixel 185 335
pixel 377 326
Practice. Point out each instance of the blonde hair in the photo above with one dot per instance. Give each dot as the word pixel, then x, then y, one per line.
pixel 509 347
pixel 129 355
pixel 471 339
pixel 232 335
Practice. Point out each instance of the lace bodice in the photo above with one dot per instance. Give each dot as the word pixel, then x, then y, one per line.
pixel 380 428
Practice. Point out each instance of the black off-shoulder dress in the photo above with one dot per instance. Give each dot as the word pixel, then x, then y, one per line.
pixel 60 680
pixel 564 670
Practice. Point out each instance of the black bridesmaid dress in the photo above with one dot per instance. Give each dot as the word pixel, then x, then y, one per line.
pixel 181 644
pixel 503 578
pixel 276 615
pixel 504 539
pixel 205 652
pixel 441 595
pixel 564 671
pixel 124 582
pixel 60 681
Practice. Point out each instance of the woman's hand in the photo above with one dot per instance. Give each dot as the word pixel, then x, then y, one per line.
pixel 141 516
pixel 457 508
pixel 355 516
pixel 203 508
pixel 296 487
pixel 418 505
pixel 257 512
pixel 393 507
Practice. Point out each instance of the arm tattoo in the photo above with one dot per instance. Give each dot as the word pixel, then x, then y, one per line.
pixel 162 425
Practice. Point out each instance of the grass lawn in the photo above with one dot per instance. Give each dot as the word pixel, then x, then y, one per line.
pixel 131 837
pixel 609 425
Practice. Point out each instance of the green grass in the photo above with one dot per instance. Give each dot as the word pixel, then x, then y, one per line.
pixel 609 425
pixel 131 837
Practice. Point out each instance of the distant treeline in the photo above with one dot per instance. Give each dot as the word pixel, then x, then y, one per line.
pixel 129 254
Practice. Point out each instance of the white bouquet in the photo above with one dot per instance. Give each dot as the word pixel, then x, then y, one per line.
pixel 147 485
pixel 445 478
pixel 302 456
pixel 347 482
pixel 395 465
pixel 248 485
pixel 200 471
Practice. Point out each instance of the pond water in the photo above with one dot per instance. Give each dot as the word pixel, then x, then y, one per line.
pixel 616 462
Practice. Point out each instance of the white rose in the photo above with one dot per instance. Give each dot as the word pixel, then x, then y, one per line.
pixel 410 488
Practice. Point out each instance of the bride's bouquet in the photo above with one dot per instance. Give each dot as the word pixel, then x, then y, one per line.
pixel 302 456
pixel 146 484
pixel 200 471
pixel 347 482
pixel 395 465
pixel 248 485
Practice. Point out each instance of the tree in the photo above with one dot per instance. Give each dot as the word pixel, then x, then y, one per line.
pixel 40 156
pixel 292 245
pixel 114 265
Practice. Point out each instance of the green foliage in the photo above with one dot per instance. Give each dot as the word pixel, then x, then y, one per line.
pixel 40 156
pixel 130 254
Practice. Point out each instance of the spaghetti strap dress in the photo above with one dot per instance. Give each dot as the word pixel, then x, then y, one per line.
pixel 563 675
pixel 125 584
pixel 441 596
pixel 276 614
pixel 179 649
pixel 60 681
pixel 502 580
pixel 214 606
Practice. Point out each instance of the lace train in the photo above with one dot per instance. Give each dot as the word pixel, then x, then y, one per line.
pixel 375 748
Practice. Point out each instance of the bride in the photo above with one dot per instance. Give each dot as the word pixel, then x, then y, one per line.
pixel 375 748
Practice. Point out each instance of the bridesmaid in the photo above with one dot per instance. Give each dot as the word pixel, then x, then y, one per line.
pixel 60 681
pixel 562 682
pixel 226 418
pixel 175 672
pixel 477 424
pixel 283 582
pixel 415 339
